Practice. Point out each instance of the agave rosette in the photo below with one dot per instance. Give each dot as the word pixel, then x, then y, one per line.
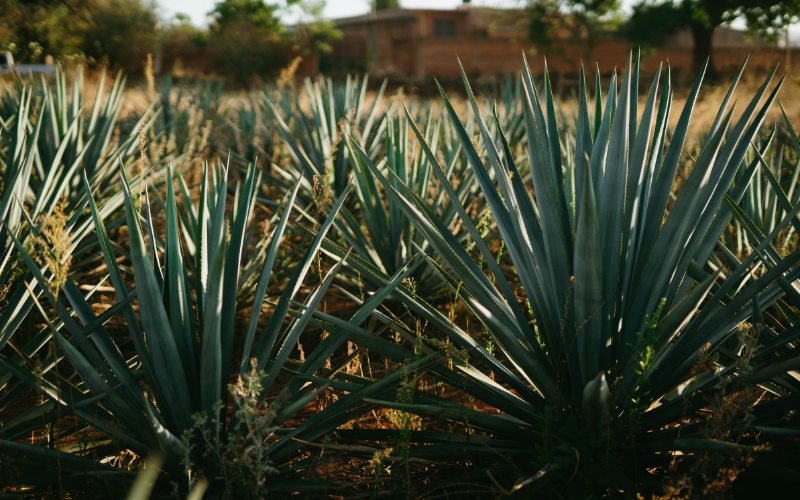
pixel 600 368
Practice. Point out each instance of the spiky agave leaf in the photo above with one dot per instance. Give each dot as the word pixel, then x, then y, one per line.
pixel 52 138
pixel 183 336
pixel 616 281
pixel 315 140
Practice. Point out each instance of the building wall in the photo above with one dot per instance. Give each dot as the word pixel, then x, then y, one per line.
pixel 613 53
pixel 427 20
pixel 391 45
pixel 409 49
pixel 723 38
pixel 492 57
pixel 480 58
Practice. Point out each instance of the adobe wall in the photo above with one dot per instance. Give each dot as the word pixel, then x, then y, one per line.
pixel 487 57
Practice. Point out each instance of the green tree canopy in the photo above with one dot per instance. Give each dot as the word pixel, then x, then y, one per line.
pixel 184 43
pixel 584 19
pixel 248 38
pixel 245 38
pixel 313 31
pixel 385 4
pixel 256 12
pixel 651 21
pixel 32 29
pixel 121 32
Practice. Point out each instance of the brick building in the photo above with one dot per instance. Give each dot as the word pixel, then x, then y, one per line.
pixel 415 44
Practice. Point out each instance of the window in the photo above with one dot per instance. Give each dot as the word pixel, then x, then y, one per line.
pixel 444 28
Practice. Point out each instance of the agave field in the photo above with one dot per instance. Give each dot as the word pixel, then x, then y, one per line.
pixel 327 289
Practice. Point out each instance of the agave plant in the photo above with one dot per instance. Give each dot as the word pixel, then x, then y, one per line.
pixel 314 138
pixel 376 228
pixel 47 143
pixel 773 188
pixel 53 137
pixel 508 93
pixel 769 199
pixel 605 317
pixel 188 108
pixel 171 396
pixel 373 227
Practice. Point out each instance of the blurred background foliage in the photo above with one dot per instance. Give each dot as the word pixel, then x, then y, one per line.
pixel 245 39
pixel 250 40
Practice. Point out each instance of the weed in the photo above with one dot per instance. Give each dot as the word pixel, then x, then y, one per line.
pixel 51 247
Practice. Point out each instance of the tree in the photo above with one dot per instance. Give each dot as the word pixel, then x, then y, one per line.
pixel 313 32
pixel 183 43
pixel 653 20
pixel 385 4
pixel 248 39
pixel 583 19
pixel 121 32
pixel 32 29
pixel 256 12
pixel 651 23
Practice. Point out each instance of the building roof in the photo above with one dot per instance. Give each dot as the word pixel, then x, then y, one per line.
pixel 392 15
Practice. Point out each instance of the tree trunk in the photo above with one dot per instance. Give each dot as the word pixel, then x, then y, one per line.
pixel 702 36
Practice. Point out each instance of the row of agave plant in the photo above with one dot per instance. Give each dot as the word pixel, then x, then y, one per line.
pixel 576 306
